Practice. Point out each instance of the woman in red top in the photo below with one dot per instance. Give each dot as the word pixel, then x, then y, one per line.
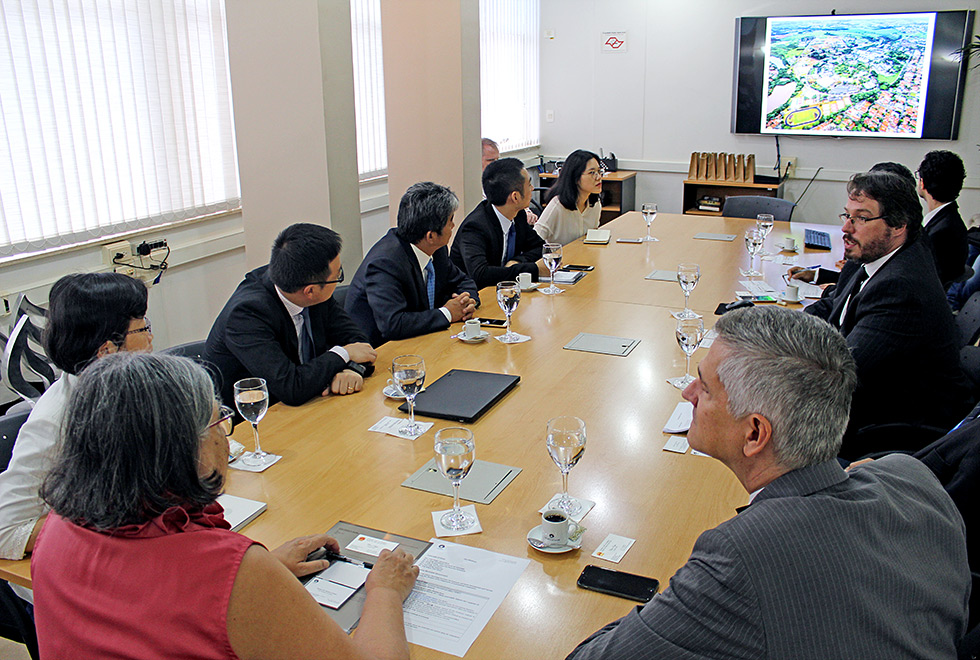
pixel 136 559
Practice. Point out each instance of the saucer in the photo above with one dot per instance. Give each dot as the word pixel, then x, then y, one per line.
pixel 483 336
pixel 534 285
pixel 553 550
pixel 393 392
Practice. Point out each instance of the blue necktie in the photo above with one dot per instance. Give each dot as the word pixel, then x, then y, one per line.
pixel 430 283
pixel 306 347
pixel 511 243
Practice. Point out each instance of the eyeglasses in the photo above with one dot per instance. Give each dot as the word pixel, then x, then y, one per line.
pixel 595 174
pixel 340 278
pixel 145 328
pixel 224 423
pixel 857 220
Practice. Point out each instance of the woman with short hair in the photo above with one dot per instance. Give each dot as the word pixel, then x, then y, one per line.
pixel 573 207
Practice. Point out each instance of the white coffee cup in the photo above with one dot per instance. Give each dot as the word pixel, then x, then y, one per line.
pixel 471 329
pixel 792 293
pixel 524 279
pixel 789 243
pixel 554 527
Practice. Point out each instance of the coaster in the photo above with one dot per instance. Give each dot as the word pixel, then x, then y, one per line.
pixel 442 531
pixel 238 464
pixel 586 506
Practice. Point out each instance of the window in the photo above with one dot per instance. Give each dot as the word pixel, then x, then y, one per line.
pixel 116 115
pixel 369 88
pixel 509 64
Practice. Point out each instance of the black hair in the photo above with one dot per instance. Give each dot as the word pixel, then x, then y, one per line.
pixel 899 203
pixel 301 254
pixel 425 207
pixel 501 178
pixel 131 442
pixel 85 310
pixel 942 175
pixel 566 187
pixel 895 168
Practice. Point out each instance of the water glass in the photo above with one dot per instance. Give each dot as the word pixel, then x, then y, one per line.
pixel 455 453
pixel 566 444
pixel 252 401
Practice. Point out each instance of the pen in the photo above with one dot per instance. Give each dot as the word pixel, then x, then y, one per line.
pixel 333 556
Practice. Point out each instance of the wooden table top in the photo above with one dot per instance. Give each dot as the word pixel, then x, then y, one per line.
pixel 334 469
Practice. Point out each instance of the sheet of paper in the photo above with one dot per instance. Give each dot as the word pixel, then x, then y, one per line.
pixel 613 548
pixel 369 545
pixel 708 236
pixel 441 530
pixel 457 591
pixel 663 276
pixel 709 339
pixel 808 290
pixel 396 426
pixel 680 420
pixel 329 593
pixel 585 504
pixel 345 573
pixel 757 287
pixel 676 443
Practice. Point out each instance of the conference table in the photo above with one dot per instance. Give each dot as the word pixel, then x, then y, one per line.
pixel 333 468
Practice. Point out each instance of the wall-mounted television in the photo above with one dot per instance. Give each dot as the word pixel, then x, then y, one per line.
pixel 860 75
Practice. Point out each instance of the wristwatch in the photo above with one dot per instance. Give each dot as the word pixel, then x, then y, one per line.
pixel 357 367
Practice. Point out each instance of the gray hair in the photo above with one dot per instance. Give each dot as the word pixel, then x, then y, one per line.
pixel 487 142
pixel 796 371
pixel 131 441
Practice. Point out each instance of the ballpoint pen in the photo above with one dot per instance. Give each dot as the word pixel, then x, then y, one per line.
pixel 333 556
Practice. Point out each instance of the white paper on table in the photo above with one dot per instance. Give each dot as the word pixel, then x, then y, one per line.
pixel 695 452
pixel 680 420
pixel 369 545
pixel 442 530
pixel 457 591
pixel 709 339
pixel 757 287
pixel 808 290
pixel 586 506
pixel 676 443
pixel 345 573
pixel 395 426
pixel 329 593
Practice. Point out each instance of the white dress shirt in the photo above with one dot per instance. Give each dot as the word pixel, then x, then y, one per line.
pixel 424 260
pixel 296 313
pixel 871 268
pixel 933 213
pixel 505 224
pixel 560 225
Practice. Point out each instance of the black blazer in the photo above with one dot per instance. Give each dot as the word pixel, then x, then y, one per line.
pixel 479 247
pixel 388 298
pixel 254 335
pixel 906 346
pixel 946 236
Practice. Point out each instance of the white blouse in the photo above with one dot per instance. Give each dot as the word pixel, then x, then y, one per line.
pixel 560 225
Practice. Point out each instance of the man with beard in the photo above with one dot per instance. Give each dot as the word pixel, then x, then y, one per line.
pixel 892 310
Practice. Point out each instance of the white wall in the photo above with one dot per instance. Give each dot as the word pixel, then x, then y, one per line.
pixel 670 94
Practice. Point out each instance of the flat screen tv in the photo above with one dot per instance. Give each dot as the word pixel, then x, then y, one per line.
pixel 861 75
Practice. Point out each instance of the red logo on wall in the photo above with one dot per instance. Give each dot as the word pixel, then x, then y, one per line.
pixel 613 42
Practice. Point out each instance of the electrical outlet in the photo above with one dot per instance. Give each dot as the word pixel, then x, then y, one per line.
pixel 126 270
pixel 118 252
pixel 789 167
pixel 549 116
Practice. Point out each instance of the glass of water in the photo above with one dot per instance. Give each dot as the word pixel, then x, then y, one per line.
pixel 252 401
pixel 649 212
pixel 764 223
pixel 753 243
pixel 408 372
pixel 508 296
pixel 455 453
pixel 688 276
pixel 566 444
pixel 552 259
pixel 689 334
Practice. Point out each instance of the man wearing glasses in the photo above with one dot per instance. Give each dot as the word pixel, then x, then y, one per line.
pixel 892 310
pixel 283 325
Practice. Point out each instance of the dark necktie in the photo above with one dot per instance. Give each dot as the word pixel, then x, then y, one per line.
pixel 430 283
pixel 306 347
pixel 848 321
pixel 511 243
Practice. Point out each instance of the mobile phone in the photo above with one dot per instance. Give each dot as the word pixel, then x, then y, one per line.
pixel 493 323
pixel 759 298
pixel 629 240
pixel 618 583
pixel 576 267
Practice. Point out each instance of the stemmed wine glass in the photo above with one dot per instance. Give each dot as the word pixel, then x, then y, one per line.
pixel 688 276
pixel 689 334
pixel 649 212
pixel 764 223
pixel 566 444
pixel 455 452
pixel 408 372
pixel 508 295
pixel 552 259
pixel 252 401
pixel 753 243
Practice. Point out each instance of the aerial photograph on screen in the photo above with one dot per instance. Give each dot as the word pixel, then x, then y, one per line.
pixel 847 75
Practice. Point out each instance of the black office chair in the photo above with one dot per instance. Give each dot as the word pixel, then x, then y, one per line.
pixel 16 623
pixel 538 195
pixel 749 206
pixel 340 294
pixel 192 349
pixel 968 320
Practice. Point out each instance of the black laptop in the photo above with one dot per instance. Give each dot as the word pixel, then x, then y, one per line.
pixel 462 395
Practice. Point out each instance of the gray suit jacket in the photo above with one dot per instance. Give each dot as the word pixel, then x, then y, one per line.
pixel 823 564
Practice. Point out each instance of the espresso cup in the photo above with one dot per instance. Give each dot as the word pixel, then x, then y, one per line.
pixel 554 527
pixel 792 293
pixel 789 243
pixel 471 329
pixel 524 279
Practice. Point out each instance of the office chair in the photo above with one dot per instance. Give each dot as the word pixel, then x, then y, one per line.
pixel 968 320
pixel 192 349
pixel 340 294
pixel 23 351
pixel 537 199
pixel 749 206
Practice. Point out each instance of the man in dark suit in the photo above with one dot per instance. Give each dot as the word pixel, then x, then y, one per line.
pixel 406 285
pixel 282 324
pixel 494 243
pixel 822 563
pixel 941 176
pixel 890 307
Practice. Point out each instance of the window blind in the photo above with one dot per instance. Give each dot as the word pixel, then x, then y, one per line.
pixel 369 88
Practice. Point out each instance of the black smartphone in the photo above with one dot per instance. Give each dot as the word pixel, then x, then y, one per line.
pixel 493 323
pixel 568 267
pixel 617 583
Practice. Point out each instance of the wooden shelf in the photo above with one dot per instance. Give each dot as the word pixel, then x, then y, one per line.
pixel 695 189
pixel 697 211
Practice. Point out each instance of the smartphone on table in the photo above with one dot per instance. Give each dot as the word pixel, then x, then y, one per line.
pixel 492 323
pixel 618 583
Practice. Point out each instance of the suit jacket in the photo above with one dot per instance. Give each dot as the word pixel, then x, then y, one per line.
pixel 946 236
pixel 823 564
pixel 254 335
pixel 388 297
pixel 906 346
pixel 479 247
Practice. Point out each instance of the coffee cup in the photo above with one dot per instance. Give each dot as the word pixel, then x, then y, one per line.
pixel 789 244
pixel 554 527
pixel 471 329
pixel 524 279
pixel 792 292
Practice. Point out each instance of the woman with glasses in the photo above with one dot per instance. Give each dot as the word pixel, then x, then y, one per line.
pixel 90 315
pixel 573 207
pixel 136 559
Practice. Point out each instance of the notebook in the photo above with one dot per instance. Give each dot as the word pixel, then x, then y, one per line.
pixel 462 395
pixel 597 236
pixel 240 511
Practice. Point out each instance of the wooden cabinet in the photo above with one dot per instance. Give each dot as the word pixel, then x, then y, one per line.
pixel 618 193
pixel 695 189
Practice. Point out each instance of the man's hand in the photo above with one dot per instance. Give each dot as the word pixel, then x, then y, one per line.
pixel 542 269
pixel 461 306
pixel 393 570
pixel 361 352
pixel 346 382
pixel 531 217
pixel 293 553
pixel 802 274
